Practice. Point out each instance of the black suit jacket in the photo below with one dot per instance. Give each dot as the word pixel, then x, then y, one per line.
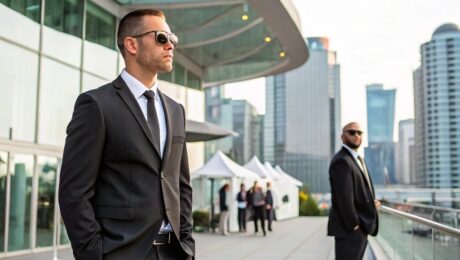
pixel 352 200
pixel 114 188
pixel 269 198
pixel 223 199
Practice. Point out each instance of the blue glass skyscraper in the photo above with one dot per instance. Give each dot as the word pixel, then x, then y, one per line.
pixel 380 155
pixel 437 110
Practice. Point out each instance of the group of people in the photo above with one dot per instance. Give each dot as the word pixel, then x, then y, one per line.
pixel 124 190
pixel 252 204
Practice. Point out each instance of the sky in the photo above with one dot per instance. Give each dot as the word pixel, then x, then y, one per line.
pixel 377 41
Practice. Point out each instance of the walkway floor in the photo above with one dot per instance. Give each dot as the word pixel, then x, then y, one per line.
pixel 299 238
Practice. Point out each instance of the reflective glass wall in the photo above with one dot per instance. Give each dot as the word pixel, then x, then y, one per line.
pixel 45 64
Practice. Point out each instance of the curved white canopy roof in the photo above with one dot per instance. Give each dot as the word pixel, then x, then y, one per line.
pixel 220 166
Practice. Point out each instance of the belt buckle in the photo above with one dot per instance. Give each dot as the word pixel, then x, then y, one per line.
pixel 159 243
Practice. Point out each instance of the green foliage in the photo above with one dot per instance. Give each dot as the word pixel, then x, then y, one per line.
pixel 200 220
pixel 307 205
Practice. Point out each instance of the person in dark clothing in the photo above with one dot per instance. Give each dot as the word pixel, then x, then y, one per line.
pixel 249 204
pixel 269 206
pixel 258 201
pixel 224 214
pixel 242 202
pixel 353 215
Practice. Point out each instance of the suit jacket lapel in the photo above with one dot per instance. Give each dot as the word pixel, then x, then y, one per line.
pixel 371 189
pixel 133 106
pixel 168 118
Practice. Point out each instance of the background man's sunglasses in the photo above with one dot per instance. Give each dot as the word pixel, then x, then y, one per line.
pixel 161 37
pixel 354 132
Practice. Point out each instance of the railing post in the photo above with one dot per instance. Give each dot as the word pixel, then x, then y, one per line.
pixel 432 242
pixel 413 242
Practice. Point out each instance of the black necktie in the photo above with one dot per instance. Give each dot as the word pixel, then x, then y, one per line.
pixel 152 118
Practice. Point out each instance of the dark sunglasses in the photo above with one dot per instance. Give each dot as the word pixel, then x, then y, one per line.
pixel 354 132
pixel 161 37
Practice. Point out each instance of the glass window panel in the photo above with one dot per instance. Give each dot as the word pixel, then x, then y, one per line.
pixel 193 81
pixel 20 205
pixel 56 100
pixel 165 76
pixel 179 74
pixel 65 16
pixel 29 8
pixel 18 92
pixel 47 168
pixel 100 26
pixel 3 177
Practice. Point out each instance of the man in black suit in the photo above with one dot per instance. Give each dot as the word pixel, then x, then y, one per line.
pixel 353 214
pixel 125 184
pixel 223 206
pixel 241 197
pixel 269 206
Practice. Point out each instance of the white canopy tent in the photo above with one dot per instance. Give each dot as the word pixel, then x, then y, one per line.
pixel 222 167
pixel 285 193
pixel 288 177
pixel 256 166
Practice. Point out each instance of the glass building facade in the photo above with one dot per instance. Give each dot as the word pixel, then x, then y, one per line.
pixel 437 110
pixel 51 52
pixel 405 153
pixel 302 120
pixel 380 153
pixel 239 116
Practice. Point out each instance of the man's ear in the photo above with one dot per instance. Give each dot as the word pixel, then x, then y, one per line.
pixel 131 45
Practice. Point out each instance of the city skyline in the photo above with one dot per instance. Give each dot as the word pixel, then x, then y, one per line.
pixel 376 42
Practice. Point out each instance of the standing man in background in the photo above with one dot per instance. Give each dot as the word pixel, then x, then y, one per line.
pixel 125 189
pixel 241 198
pixel 224 214
pixel 258 202
pixel 353 214
pixel 269 206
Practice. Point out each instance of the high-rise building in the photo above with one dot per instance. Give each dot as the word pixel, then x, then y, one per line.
pixel 302 119
pixel 405 153
pixel 239 116
pixel 380 153
pixel 437 110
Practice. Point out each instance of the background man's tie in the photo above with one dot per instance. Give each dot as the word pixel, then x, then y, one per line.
pixel 366 174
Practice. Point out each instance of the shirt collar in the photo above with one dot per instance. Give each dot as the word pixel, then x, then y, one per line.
pixel 354 153
pixel 136 87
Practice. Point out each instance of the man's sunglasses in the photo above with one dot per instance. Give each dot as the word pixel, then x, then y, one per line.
pixel 355 132
pixel 161 37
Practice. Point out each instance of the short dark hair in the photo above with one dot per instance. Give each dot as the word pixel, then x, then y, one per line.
pixel 132 24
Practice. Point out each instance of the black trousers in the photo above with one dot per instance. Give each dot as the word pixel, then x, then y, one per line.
pixel 259 214
pixel 270 217
pixel 172 251
pixel 242 219
pixel 351 246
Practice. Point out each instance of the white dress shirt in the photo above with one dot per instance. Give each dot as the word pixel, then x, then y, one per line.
pixel 138 89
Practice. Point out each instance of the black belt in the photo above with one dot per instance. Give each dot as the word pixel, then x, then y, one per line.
pixel 162 239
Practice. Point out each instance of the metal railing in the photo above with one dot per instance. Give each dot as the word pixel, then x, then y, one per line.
pixel 407 236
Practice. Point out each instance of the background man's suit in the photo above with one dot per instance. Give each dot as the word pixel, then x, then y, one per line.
pixel 115 188
pixel 352 200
